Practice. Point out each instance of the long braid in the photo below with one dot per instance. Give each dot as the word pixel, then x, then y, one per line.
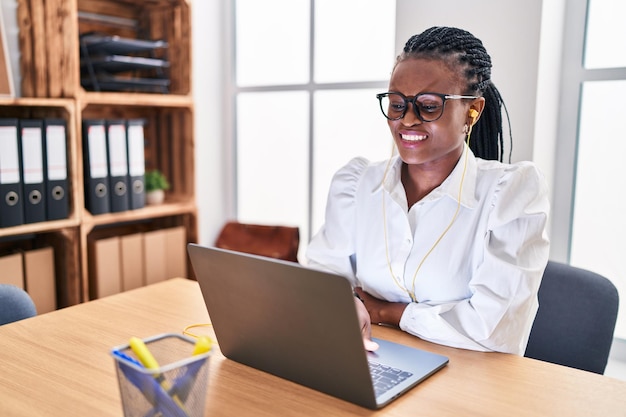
pixel 456 46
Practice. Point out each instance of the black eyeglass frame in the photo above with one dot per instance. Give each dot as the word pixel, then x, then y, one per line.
pixel 413 99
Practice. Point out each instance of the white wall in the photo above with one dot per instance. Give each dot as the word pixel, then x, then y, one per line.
pixel 209 32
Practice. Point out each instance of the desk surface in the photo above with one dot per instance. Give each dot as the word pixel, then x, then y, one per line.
pixel 58 364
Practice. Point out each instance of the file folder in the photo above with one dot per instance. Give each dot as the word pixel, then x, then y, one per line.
pixel 131 254
pixel 40 279
pixel 118 164
pixel 11 201
pixel 55 169
pixel 176 252
pixel 155 256
pixel 31 136
pixel 95 167
pixel 12 270
pixel 136 163
pixel 105 267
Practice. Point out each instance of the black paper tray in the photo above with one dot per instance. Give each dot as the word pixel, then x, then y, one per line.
pixel 120 63
pixel 97 43
pixel 109 83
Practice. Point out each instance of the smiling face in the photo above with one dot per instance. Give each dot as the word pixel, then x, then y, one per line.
pixel 431 144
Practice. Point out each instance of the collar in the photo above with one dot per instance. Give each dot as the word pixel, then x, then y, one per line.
pixel 449 187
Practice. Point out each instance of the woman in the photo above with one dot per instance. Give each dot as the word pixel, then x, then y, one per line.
pixel 441 240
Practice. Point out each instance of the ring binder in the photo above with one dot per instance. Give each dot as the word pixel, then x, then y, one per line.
pixel 118 164
pixel 96 167
pixel 31 138
pixel 55 169
pixel 11 202
pixel 136 163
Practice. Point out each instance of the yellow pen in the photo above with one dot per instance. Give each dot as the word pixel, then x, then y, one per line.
pixel 147 359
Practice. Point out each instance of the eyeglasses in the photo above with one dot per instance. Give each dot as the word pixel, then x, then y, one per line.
pixel 428 107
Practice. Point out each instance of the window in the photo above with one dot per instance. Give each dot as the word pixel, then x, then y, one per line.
pixel 596 84
pixel 305 102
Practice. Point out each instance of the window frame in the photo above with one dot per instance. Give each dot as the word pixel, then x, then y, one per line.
pixel 310 88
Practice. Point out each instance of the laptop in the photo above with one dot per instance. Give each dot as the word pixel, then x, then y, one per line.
pixel 300 324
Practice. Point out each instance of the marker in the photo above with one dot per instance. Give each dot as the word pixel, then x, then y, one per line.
pixel 142 352
pixel 147 359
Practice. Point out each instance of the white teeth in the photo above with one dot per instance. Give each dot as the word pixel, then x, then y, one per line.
pixel 413 137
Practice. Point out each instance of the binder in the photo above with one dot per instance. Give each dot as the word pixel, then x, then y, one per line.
pixel 106 273
pixel 176 252
pixel 31 137
pixel 55 169
pixel 12 270
pixel 39 276
pixel 136 163
pixel 118 164
pixel 131 253
pixel 11 201
pixel 95 167
pixel 154 256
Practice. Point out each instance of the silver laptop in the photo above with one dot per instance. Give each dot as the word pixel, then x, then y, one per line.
pixel 301 324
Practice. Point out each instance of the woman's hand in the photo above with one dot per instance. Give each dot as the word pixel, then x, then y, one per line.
pixel 366 326
pixel 380 311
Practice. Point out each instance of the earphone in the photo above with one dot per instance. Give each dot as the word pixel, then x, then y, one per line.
pixel 473 114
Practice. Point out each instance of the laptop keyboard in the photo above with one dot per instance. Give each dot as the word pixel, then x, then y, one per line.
pixel 385 377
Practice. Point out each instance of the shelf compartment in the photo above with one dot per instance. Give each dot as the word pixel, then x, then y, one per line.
pixel 168 147
pixel 66 259
pixel 154 241
pixel 146 24
pixel 35 108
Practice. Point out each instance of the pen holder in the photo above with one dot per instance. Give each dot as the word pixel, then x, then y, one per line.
pixel 177 388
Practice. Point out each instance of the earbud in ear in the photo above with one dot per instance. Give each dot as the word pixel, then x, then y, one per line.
pixel 473 114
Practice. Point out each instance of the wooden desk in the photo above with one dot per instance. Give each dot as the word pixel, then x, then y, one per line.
pixel 58 364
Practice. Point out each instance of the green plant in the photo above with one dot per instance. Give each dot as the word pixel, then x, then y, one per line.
pixel 155 180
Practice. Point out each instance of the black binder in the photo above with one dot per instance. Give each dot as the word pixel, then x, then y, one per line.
pixel 95 167
pixel 11 201
pixel 55 169
pixel 136 163
pixel 118 164
pixel 31 137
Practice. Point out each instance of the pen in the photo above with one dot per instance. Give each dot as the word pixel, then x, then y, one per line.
pixel 126 357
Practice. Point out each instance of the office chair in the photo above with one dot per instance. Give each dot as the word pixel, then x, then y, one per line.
pixel 576 318
pixel 273 241
pixel 15 304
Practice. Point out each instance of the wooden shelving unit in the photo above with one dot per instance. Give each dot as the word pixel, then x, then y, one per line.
pixel 50 66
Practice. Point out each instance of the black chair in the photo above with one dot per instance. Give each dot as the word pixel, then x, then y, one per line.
pixel 576 318
pixel 15 304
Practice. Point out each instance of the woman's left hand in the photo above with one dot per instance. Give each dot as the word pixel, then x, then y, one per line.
pixel 381 311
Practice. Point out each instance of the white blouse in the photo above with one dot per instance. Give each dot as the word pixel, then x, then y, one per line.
pixel 477 289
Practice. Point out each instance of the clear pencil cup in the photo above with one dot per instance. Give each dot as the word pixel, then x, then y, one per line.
pixel 177 388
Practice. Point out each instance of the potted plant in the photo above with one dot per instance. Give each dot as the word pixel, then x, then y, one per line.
pixel 156 184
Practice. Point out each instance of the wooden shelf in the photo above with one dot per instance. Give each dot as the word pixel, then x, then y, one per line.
pixel 51 86
pixel 148 212
pixel 42 227
pixel 136 99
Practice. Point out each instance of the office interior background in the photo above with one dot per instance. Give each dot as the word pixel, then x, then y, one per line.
pixel 285 94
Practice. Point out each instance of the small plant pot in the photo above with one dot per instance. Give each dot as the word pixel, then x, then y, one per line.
pixel 155 197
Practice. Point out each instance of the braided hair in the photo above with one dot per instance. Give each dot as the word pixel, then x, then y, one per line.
pixel 461 51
